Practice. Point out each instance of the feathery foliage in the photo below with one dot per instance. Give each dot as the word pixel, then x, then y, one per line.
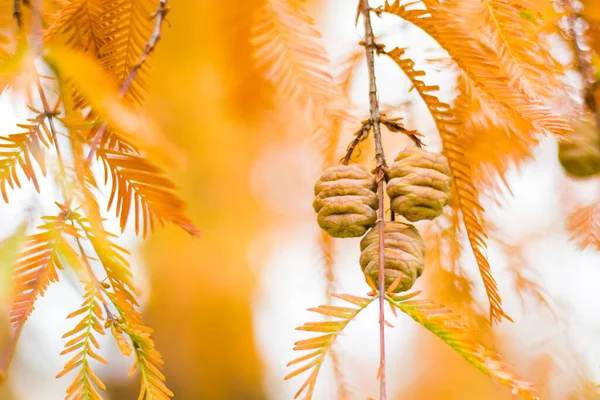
pixel 137 182
pixel 79 21
pixel 38 265
pixel 466 192
pixel 18 151
pixel 445 23
pixel 102 95
pixel 82 341
pixel 98 50
pixel 584 226
pixel 149 362
pixel 515 33
pixel 321 345
pixel 121 293
pixel 288 50
pixel 447 325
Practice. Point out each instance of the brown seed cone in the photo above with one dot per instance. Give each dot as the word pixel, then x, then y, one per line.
pixel 419 185
pixel 346 200
pixel 580 157
pixel 404 253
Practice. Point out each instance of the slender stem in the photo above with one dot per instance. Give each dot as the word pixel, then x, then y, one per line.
pixel 90 271
pixel 49 113
pixel 159 15
pixel 381 274
pixel 36 44
pixel 370 47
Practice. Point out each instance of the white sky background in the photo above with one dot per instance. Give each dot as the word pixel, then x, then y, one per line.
pixel 292 276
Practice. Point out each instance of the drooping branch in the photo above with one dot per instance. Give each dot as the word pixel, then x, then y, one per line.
pixel 375 120
pixel 159 16
pixel 370 46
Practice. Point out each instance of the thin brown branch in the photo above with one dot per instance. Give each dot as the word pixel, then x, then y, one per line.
pixel 159 16
pixel 381 250
pixel 36 44
pixel 359 136
pixel 370 48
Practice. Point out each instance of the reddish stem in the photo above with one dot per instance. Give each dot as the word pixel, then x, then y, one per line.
pixel 381 273
pixel 370 48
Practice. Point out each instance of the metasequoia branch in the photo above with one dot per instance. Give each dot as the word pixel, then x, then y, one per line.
pixel 159 16
pixel 370 46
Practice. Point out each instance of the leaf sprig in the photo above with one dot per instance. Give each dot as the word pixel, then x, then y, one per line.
pixel 447 325
pixel 321 345
pixel 436 318
pixel 82 341
pixel 466 192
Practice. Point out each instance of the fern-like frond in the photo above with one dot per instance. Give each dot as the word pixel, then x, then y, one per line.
pixel 515 34
pixel 101 93
pixel 18 151
pixel 479 61
pixel 37 266
pixel 126 28
pixel 149 362
pixel 86 384
pixel 121 292
pixel 112 257
pixel 448 326
pixel 140 188
pixel 584 226
pixel 288 50
pixel 494 137
pixel 79 21
pixel 320 345
pixel 466 192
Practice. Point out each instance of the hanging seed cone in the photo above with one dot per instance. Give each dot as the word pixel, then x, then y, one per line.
pixel 404 253
pixel 419 185
pixel 580 156
pixel 346 200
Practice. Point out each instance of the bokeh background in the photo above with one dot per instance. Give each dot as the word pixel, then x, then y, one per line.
pixel 224 307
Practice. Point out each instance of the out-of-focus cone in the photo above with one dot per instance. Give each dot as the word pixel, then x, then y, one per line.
pixel 579 155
